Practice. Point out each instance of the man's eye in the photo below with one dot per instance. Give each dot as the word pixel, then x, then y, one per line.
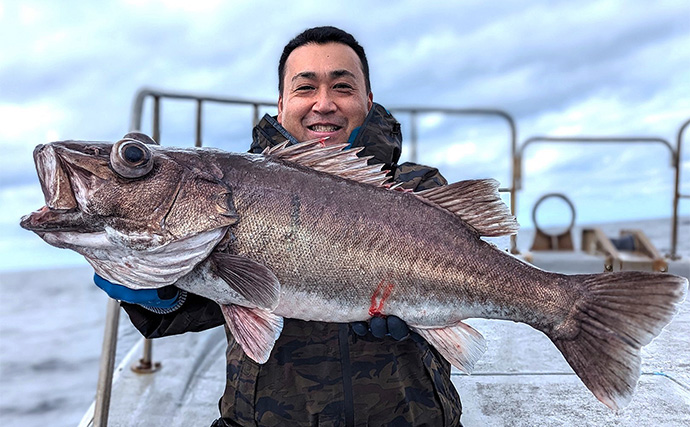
pixel 343 86
pixel 304 88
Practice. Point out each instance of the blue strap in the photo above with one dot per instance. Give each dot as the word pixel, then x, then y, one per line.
pixel 352 137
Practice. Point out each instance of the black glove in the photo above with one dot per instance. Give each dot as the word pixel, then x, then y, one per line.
pixel 392 326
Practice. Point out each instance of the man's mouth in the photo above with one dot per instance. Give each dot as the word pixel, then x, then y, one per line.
pixel 324 128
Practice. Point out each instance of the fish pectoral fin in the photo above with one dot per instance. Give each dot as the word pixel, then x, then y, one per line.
pixel 256 330
pixel 476 202
pixel 253 281
pixel 460 344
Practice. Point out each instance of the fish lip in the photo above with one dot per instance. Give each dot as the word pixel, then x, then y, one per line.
pixel 61 211
pixel 46 220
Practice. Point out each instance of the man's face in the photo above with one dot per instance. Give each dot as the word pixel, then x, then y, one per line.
pixel 324 93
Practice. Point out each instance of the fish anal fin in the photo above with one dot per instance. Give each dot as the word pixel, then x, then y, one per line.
pixel 253 281
pixel 332 159
pixel 477 203
pixel 254 329
pixel 460 344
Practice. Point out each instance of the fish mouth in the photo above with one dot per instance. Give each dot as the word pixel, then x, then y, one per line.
pixel 61 211
pixel 46 220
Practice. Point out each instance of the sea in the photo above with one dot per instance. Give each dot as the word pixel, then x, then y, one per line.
pixel 52 322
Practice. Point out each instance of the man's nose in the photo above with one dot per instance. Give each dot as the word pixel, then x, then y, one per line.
pixel 324 103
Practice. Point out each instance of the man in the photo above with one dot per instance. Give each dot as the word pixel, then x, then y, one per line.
pixel 321 373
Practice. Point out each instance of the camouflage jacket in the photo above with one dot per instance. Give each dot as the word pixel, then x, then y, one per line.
pixel 323 373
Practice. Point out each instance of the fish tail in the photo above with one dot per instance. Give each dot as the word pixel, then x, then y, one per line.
pixel 618 314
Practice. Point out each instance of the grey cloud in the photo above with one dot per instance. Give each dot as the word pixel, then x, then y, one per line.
pixel 559 62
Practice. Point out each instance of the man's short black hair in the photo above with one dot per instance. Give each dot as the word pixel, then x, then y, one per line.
pixel 323 35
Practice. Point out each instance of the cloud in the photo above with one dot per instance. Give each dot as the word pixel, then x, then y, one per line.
pixel 542 58
pixel 40 122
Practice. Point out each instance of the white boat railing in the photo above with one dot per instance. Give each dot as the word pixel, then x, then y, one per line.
pixel 146 363
pixel 675 164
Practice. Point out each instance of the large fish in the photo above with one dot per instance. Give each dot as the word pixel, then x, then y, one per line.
pixel 311 232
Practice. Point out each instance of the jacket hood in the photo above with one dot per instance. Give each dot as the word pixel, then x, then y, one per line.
pixel 380 135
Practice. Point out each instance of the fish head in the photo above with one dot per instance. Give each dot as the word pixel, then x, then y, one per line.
pixel 131 206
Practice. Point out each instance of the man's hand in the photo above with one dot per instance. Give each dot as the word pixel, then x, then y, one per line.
pixel 382 326
pixel 161 300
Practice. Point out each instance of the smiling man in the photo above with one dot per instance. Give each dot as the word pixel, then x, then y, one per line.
pixel 326 374
pixel 323 93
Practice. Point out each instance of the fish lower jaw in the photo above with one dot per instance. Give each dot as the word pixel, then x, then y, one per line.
pixel 48 219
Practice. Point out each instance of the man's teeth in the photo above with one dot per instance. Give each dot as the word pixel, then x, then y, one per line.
pixel 324 128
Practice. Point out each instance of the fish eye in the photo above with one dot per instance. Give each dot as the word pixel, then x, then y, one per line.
pixel 132 153
pixel 130 158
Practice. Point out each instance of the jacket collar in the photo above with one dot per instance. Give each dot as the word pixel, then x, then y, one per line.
pixel 380 136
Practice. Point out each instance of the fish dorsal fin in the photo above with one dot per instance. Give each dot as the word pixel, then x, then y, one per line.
pixel 460 344
pixel 476 202
pixel 256 330
pixel 331 159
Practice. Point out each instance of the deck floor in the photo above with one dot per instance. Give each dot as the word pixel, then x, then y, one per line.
pixel 522 380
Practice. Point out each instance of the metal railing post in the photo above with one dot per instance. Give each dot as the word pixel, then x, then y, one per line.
pixel 414 111
pixel 676 191
pixel 107 365
pixel 197 142
pixel 675 161
pixel 255 115
pixel 413 135
pixel 157 119
pixel 146 365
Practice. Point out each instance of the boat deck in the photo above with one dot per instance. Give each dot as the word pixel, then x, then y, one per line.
pixel 522 380
pixel 570 262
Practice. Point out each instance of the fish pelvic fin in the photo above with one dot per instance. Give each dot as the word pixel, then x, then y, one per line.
pixel 331 159
pixel 253 281
pixel 477 203
pixel 255 330
pixel 460 344
pixel 618 315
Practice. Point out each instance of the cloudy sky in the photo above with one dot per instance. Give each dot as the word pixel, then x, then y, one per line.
pixel 70 70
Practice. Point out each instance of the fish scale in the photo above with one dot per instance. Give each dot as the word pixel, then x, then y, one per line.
pixel 313 232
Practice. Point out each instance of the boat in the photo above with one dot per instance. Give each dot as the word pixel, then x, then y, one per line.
pixel 521 380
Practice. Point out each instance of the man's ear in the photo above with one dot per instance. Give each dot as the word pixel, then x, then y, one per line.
pixel 280 109
pixel 370 101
